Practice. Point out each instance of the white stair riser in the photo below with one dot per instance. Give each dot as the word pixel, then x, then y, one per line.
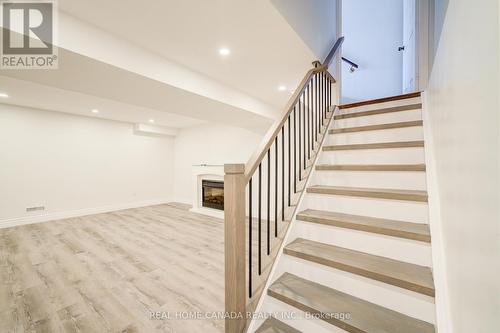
pixel 416 212
pixel 401 300
pixel 387 135
pixel 374 156
pixel 411 251
pixel 377 106
pixel 272 305
pixel 385 118
pixel 376 179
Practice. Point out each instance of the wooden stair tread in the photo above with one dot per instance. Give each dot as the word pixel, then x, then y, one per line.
pixel 273 325
pixel 400 274
pixel 407 230
pixel 378 111
pixel 395 194
pixel 380 100
pixel 378 145
pixel 363 316
pixel 403 124
pixel 370 167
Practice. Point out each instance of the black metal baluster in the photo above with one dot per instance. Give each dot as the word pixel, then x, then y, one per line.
pixel 282 175
pixel 306 126
pixel 250 238
pixel 260 219
pixel 300 142
pixel 319 103
pixel 316 104
pixel 304 134
pixel 321 100
pixel 318 116
pixel 276 185
pixel 289 162
pixel 268 200
pixel 294 150
pixel 323 96
pixel 311 122
pixel 314 113
pixel 329 92
pixel 326 106
pixel 326 96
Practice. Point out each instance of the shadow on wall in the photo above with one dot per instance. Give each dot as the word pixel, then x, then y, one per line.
pixel 437 14
pixel 440 7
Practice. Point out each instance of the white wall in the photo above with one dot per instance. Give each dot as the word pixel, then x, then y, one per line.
pixel 373 32
pixel 462 117
pixel 208 144
pixel 315 21
pixel 74 165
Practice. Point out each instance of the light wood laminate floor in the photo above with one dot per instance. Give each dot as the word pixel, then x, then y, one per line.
pixel 108 272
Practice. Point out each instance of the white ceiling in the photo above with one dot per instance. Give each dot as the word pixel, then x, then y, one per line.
pixel 33 95
pixel 265 51
pixel 160 60
pixel 82 83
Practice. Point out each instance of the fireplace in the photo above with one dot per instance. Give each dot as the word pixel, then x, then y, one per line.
pixel 212 194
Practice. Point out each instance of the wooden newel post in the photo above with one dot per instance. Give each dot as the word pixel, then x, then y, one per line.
pixel 234 247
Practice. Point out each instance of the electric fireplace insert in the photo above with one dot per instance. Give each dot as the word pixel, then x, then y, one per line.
pixel 213 194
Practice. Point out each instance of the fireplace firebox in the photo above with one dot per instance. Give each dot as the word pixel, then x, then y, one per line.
pixel 212 194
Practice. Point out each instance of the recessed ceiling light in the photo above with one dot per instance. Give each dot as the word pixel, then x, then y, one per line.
pixel 281 88
pixel 4 95
pixel 95 111
pixel 151 121
pixel 224 51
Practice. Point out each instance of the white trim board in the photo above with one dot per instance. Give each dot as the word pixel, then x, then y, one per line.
pixel 51 216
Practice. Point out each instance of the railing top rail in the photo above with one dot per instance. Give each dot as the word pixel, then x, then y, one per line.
pixel 271 134
pixel 333 51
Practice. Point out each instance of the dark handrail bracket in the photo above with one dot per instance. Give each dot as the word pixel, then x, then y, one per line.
pixel 353 64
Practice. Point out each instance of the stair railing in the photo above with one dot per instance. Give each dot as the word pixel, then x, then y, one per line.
pixel 263 194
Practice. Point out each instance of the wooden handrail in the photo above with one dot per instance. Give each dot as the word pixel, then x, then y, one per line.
pixel 333 52
pixel 271 134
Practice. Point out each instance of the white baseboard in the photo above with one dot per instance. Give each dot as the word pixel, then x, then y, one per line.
pixel 50 216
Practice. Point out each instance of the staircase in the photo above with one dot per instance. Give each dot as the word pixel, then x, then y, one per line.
pixel 357 255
